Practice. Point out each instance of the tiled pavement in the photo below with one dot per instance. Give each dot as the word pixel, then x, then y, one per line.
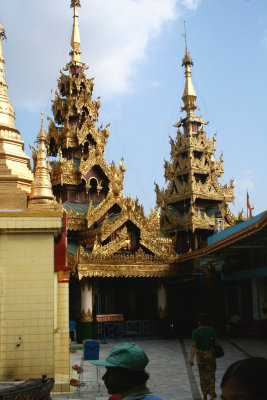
pixel 170 374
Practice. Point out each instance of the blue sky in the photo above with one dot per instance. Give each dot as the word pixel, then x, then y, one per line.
pixel 134 50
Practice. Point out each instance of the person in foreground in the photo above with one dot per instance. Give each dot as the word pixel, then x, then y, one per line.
pixel 125 376
pixel 245 380
pixel 202 345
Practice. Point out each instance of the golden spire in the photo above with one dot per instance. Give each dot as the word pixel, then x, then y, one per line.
pixel 189 95
pixel 75 38
pixel 7 114
pixel 41 186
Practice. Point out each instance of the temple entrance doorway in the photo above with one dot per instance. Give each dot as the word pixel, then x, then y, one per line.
pixel 135 298
pixel 185 301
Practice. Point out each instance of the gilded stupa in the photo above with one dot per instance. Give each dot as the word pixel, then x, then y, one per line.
pixel 108 233
pixel 195 203
pixel 15 172
pixel 41 196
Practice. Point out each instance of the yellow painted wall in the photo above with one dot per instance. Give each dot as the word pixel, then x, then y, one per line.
pixel 34 336
pixel 27 305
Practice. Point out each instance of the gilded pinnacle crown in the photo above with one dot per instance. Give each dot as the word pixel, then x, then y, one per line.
pixel 2 32
pixel 187 59
pixel 75 3
pixel 75 37
pixel 41 186
pixel 7 114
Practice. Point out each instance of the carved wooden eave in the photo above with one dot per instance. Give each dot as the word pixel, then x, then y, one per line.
pixel 158 249
pixel 190 119
pixel 59 106
pixel 135 265
pixel 197 142
pixel 128 270
pixel 210 190
pixel 64 83
pixel 64 172
pixel 114 246
pixel 111 172
pixel 53 132
pixel 129 212
pixel 204 165
pixel 76 222
pixel 95 213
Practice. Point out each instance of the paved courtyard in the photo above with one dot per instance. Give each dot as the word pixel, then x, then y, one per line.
pixel 171 376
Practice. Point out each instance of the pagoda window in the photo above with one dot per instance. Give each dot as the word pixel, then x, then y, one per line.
pixel 74 91
pixel 115 209
pixel 105 187
pixel 186 128
pixel 198 154
pixel 93 186
pixel 86 150
pixel 194 126
pixel 53 148
pixel 85 111
pixel 58 118
pixel 90 140
pixel 96 173
pixel 200 178
pixel 182 178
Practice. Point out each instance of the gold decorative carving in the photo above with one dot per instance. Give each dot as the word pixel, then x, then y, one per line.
pixel 192 173
pixel 78 141
pixel 63 276
pixel 86 316
pixel 140 270
pixel 162 312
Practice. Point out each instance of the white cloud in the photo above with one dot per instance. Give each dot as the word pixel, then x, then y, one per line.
pixel 115 36
pixel 191 4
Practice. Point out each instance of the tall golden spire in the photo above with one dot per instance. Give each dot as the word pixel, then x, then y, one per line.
pixel 75 38
pixel 7 114
pixel 41 193
pixel 189 95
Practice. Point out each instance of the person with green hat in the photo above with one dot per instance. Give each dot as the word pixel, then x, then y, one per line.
pixel 125 372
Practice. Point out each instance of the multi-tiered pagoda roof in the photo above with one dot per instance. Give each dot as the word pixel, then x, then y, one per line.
pixel 108 233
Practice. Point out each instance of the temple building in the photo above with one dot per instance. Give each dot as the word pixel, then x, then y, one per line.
pixel 117 256
pixel 194 204
pixel 34 319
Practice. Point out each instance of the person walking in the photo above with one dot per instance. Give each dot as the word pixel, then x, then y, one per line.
pixel 125 373
pixel 203 339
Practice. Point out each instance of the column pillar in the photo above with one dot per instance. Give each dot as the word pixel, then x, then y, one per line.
pixel 162 309
pixel 87 309
pixel 255 299
pixel 61 336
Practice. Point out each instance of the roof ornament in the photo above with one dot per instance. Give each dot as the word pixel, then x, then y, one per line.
pixel 75 3
pixel 2 32
pixel 187 59
pixel 41 193
pixel 75 38
pixel 7 114
pixel 189 95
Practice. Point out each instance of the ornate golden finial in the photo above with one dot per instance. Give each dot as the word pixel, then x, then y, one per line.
pixel 189 95
pixel 41 192
pixel 187 59
pixel 7 114
pixel 75 38
pixel 42 135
